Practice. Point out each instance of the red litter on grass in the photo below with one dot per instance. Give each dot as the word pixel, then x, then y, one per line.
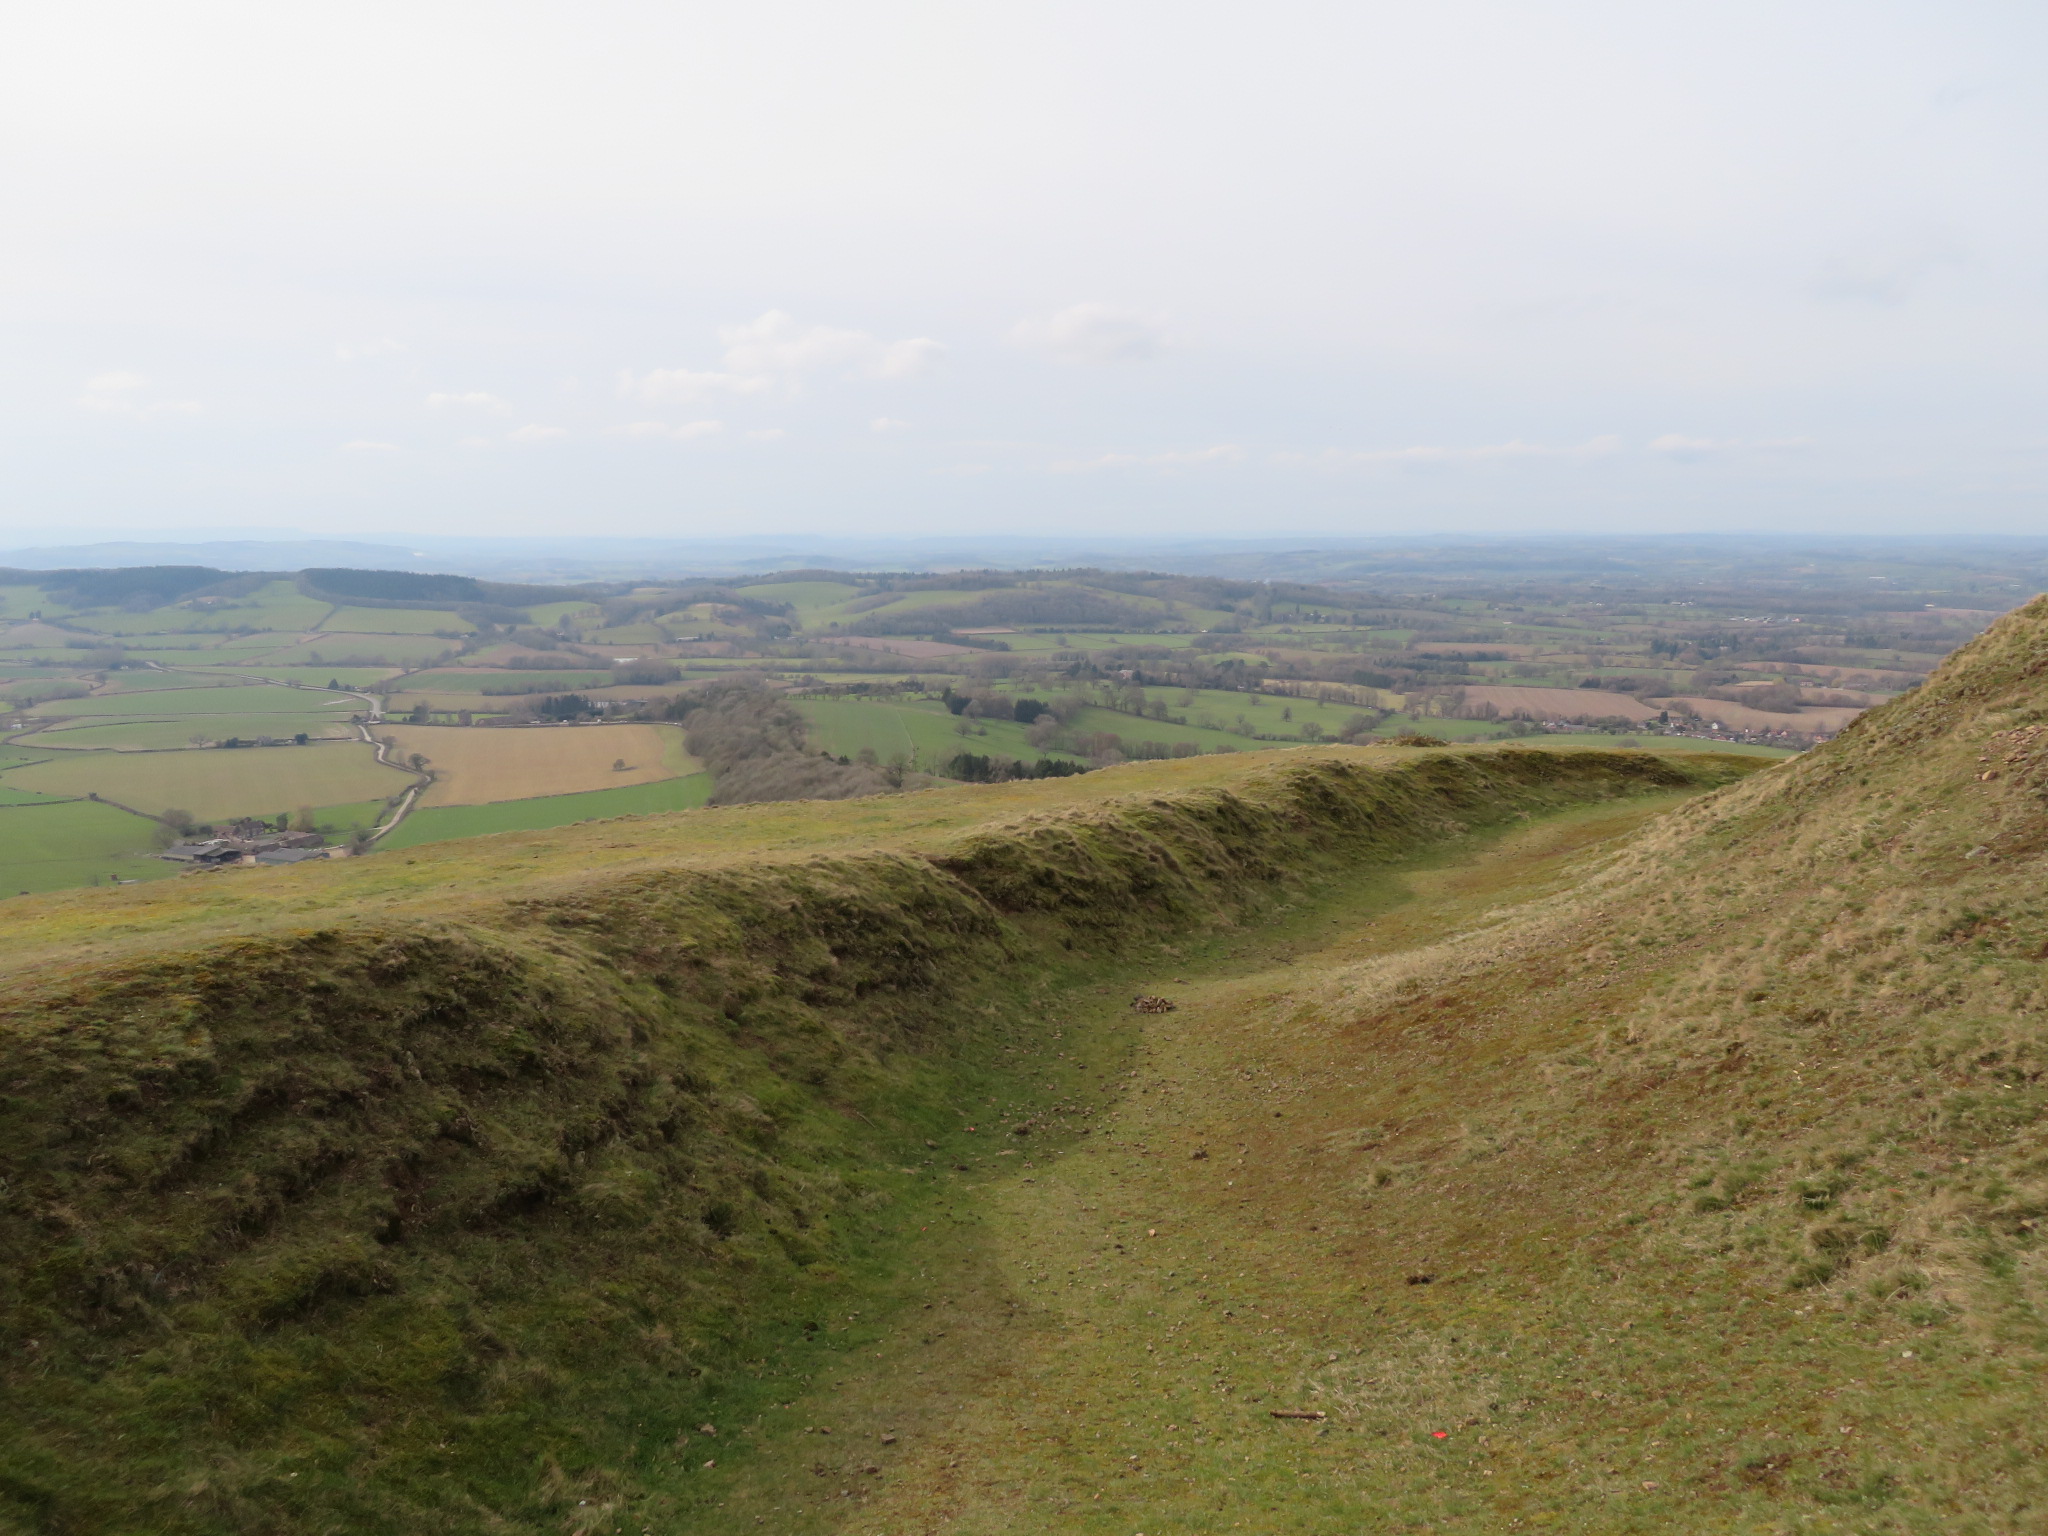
pixel 1440 1434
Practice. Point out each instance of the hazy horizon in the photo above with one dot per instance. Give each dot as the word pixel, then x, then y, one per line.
pixel 1060 272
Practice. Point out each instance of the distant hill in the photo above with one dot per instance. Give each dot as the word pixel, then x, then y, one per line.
pixel 158 585
pixel 363 586
pixel 1798 565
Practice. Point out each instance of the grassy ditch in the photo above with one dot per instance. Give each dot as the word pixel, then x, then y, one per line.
pixel 1703 1188
pixel 370 1217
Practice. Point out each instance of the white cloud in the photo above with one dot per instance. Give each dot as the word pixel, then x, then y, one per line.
pixel 368 445
pixel 1094 333
pixel 909 359
pixel 688 431
pixel 777 344
pixel 887 424
pixel 1425 454
pixel 120 393
pixel 350 351
pixel 1222 453
pixel 681 386
pixel 1693 450
pixel 535 433
pixel 111 391
pixel 778 352
pixel 474 400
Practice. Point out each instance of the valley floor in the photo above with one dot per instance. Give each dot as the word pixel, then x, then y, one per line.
pixel 1279 1208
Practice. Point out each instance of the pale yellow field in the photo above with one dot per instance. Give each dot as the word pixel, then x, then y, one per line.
pixel 484 764
pixel 1741 717
pixel 217 782
pixel 1561 703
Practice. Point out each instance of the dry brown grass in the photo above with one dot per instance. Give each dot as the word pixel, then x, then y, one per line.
pixel 480 765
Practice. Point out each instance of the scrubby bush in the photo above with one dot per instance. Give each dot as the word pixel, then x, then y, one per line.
pixel 753 742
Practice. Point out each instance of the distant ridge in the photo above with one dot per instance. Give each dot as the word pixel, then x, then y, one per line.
pixel 2008 568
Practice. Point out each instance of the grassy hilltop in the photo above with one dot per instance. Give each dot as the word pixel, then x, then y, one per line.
pixel 1584 1151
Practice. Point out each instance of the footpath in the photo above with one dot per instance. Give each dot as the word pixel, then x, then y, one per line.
pixel 1215 1309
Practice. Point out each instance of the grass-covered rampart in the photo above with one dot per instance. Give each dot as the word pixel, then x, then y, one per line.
pixel 1696 1181
pixel 324 1213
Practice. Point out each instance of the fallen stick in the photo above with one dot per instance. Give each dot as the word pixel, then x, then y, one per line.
pixel 1297 1413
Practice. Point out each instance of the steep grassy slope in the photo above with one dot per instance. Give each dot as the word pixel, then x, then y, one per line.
pixel 1701 1191
pixel 453 1186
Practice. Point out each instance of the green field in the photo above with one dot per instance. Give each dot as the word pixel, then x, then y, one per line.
pixel 149 680
pixel 444 822
pixel 19 602
pixel 549 614
pixel 218 782
pixel 804 596
pixel 923 733
pixel 257 643
pixel 474 680
pixel 1278 718
pixel 1089 640
pixel 628 634
pixel 318 677
pixel 184 653
pixel 156 732
pixel 359 650
pixel 394 621
pixel 277 607
pixel 337 821
pixel 10 795
pixel 212 698
pixel 50 847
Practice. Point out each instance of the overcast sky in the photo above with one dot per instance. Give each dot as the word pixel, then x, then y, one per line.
pixel 1104 267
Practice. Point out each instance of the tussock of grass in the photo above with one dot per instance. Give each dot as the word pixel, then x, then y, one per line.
pixel 458 1209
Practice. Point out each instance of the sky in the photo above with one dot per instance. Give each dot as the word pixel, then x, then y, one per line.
pixel 1104 268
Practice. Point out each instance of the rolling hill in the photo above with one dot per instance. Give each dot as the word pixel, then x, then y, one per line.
pixel 1520 1137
